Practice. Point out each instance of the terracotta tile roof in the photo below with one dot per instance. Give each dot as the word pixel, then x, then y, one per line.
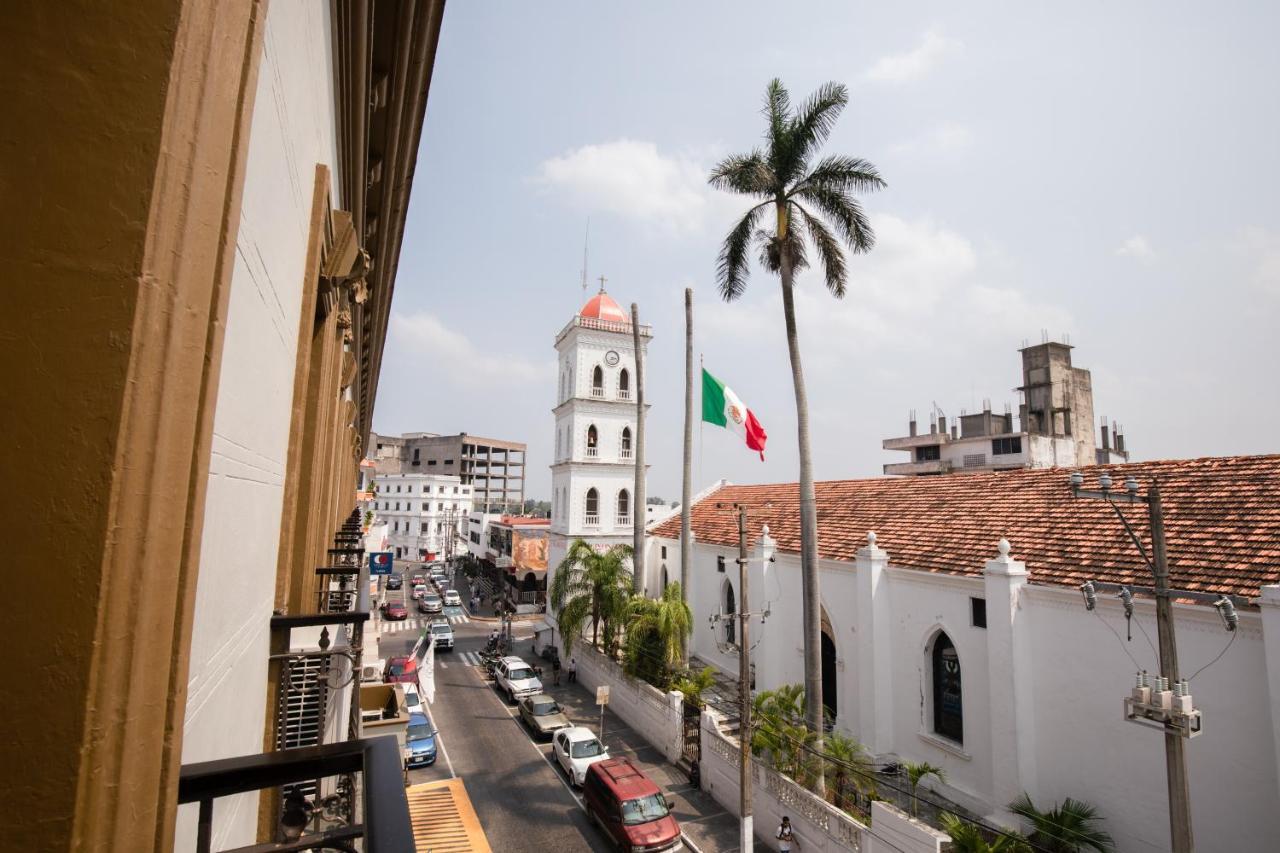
pixel 1222 522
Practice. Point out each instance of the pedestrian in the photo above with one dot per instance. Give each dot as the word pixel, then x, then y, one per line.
pixel 555 670
pixel 573 670
pixel 786 836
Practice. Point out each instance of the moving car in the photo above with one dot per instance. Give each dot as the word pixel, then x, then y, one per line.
pixel 516 678
pixel 419 742
pixel 630 808
pixel 543 715
pixel 395 581
pixel 401 669
pixel 452 599
pixel 442 633
pixel 394 611
pixel 417 579
pixel 577 748
pixel 419 591
pixel 430 603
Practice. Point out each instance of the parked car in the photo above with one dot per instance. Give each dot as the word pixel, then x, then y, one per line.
pixel 401 669
pixel 419 742
pixel 577 748
pixel 394 611
pixel 442 633
pixel 395 581
pixel 630 808
pixel 515 678
pixel 413 701
pixel 419 591
pixel 542 714
pixel 430 603
pixel 452 599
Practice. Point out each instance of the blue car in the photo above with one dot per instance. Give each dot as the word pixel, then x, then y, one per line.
pixel 420 742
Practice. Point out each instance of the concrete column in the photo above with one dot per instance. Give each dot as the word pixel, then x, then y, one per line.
pixel 1269 601
pixel 1009 681
pixel 875 678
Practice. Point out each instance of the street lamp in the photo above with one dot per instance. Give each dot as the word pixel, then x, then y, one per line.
pixel 1154 703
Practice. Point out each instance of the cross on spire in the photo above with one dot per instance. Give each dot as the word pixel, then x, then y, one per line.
pixel 602 281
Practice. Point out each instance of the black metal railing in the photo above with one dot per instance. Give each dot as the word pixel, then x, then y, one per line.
pixel 382 819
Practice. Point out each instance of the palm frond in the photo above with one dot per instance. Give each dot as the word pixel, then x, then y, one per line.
pixel 731 268
pixel 747 174
pixel 845 213
pixel 837 171
pixel 777 111
pixel 814 119
pixel 829 252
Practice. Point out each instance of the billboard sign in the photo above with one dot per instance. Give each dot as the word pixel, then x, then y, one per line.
pixel 380 562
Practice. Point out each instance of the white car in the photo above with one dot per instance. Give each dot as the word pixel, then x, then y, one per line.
pixel 452 599
pixel 516 678
pixel 576 749
pixel 412 701
pixel 419 591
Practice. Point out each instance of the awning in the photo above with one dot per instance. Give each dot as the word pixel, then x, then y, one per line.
pixel 543 626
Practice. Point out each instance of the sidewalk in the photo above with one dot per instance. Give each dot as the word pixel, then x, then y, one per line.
pixel 706 825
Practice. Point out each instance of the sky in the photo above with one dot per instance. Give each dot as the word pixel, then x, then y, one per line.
pixel 1103 171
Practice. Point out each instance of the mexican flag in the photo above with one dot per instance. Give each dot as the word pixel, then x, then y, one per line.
pixel 720 406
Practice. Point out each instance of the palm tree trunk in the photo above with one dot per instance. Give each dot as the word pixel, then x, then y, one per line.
pixel 638 508
pixel 808 524
pixel 595 622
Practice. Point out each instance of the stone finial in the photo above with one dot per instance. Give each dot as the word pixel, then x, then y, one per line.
pixel 1003 547
pixel 766 530
pixel 871 538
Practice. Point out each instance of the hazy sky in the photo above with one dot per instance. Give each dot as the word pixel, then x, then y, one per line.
pixel 1103 170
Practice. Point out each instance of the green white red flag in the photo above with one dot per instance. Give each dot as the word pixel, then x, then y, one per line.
pixel 722 407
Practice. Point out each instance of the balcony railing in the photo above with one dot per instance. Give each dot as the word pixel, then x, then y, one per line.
pixel 593 452
pixel 625 453
pixel 597 391
pixel 373 808
pixel 624 521
pixel 592 519
pixel 624 393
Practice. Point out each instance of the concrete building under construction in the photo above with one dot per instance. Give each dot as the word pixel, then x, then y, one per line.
pixel 1054 426
pixel 493 468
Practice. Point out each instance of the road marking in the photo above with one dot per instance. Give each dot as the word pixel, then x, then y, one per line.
pixel 440 740
pixel 555 767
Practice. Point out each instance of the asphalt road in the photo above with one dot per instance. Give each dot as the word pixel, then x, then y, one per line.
pixel 522 799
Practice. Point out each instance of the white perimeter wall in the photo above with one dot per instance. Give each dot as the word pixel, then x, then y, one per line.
pixel 293 130
pixel 1042 688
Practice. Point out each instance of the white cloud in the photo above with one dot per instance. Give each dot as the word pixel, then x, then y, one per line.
pixel 1138 248
pixel 915 63
pixel 452 356
pixel 947 138
pixel 634 179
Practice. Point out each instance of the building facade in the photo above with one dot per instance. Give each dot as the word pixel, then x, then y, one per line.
pixel 942 644
pixel 1055 426
pixel 593 475
pixel 222 191
pixel 427 514
pixel 491 467
pixel 518 549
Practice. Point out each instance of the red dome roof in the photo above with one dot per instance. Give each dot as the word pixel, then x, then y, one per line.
pixel 602 307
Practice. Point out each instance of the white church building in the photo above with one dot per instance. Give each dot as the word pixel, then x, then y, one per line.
pixel 593 473
pixel 941 643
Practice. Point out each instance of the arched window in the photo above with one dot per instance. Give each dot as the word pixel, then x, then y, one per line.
pixel 626 442
pixel 593 506
pixel 729 610
pixel 948 708
pixel 593 443
pixel 624 507
pixel 624 385
pixel 664 576
pixel 597 382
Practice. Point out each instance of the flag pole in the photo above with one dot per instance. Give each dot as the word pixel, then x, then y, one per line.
pixel 686 487
pixel 638 508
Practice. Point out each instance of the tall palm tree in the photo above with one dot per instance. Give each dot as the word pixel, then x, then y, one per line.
pixel 916 771
pixel 851 771
pixel 591 586
pixel 668 617
pixel 1068 828
pixel 967 837
pixel 812 204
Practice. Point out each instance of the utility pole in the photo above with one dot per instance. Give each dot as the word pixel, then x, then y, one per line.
pixel 1174 744
pixel 639 510
pixel 686 486
pixel 746 840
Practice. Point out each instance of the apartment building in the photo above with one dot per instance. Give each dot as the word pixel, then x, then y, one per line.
pixel 492 467
pixel 426 514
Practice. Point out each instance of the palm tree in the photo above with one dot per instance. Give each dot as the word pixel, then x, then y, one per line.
pixel 917 770
pixel 695 684
pixel 851 771
pixel 809 202
pixel 591 586
pixel 967 837
pixel 778 729
pixel 1068 828
pixel 667 617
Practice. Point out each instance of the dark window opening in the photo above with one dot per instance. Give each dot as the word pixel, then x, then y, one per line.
pixel 720 563
pixel 928 453
pixel 978 610
pixel 948 706
pixel 1001 446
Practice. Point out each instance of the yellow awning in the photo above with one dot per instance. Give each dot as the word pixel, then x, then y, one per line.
pixel 443 818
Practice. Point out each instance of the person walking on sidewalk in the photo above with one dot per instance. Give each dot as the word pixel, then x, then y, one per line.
pixel 786 836
pixel 573 671
pixel 555 670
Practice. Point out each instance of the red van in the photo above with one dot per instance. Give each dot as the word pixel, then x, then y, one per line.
pixel 631 808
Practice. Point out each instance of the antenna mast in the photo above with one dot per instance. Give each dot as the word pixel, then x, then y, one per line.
pixel 585 241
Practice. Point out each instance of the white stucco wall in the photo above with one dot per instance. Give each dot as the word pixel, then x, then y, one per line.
pixel 1042 688
pixel 292 130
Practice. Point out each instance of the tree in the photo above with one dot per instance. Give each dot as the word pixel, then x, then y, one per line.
pixel 591 586
pixel 657 630
pixel 695 684
pixel 967 837
pixel 849 769
pixel 1068 828
pixel 916 771
pixel 811 204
